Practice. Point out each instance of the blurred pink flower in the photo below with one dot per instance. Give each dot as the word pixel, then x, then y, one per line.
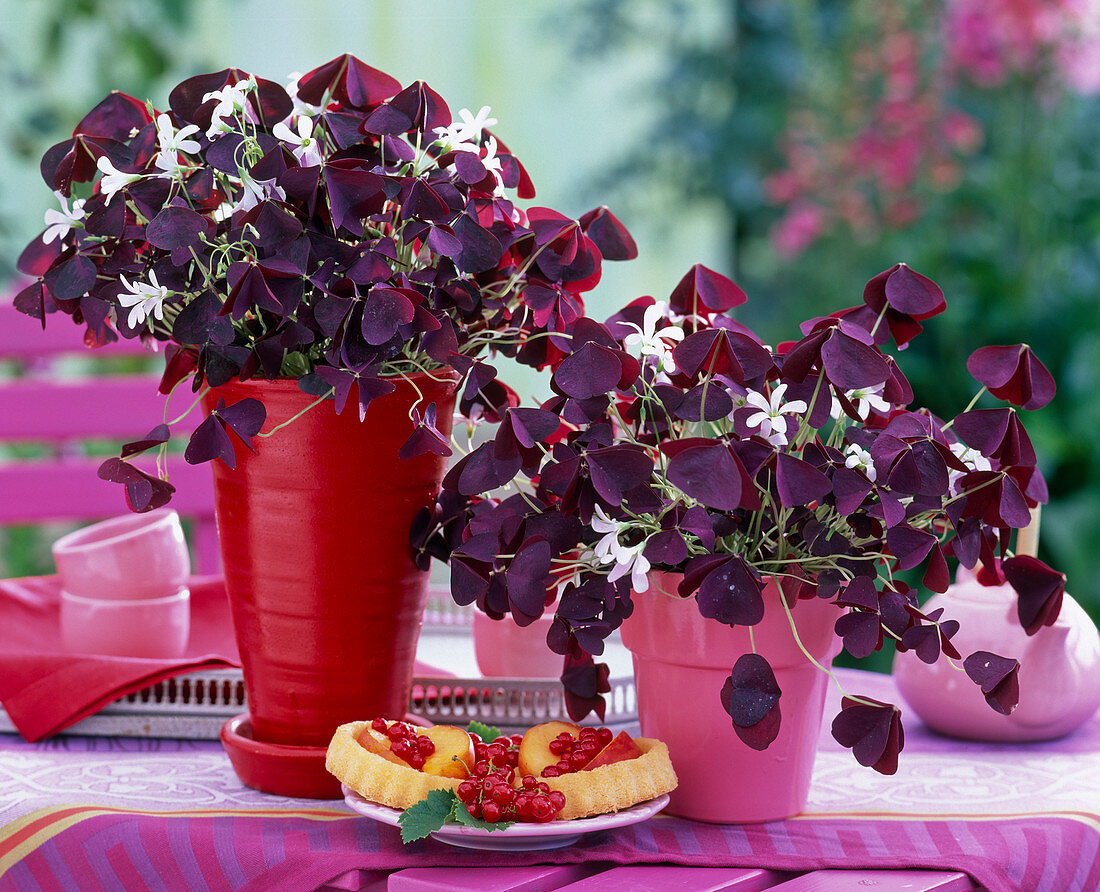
pixel 1054 39
pixel 799 228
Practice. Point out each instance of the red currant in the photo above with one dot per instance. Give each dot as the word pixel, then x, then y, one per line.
pixel 542 811
pixel 379 725
pixel 490 811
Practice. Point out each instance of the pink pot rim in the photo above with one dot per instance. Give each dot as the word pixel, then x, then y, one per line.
pixel 128 525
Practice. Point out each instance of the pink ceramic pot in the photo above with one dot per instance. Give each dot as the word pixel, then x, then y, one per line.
pixel 505 650
pixel 1059 668
pixel 680 663
pixel 134 556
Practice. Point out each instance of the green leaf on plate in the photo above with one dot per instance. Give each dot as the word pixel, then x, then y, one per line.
pixel 486 732
pixel 430 813
pixel 460 816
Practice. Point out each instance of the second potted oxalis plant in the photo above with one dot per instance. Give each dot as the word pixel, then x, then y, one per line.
pixel 741 511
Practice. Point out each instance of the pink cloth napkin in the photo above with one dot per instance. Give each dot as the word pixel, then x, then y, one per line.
pixel 45 689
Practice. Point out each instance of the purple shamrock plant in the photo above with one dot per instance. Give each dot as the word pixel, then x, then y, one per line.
pixel 338 231
pixel 677 440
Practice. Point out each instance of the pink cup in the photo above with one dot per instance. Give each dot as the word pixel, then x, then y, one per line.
pixel 132 557
pixel 155 628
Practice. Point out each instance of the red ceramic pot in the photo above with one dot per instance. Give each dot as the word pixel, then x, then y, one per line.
pixel 682 659
pixel 314 531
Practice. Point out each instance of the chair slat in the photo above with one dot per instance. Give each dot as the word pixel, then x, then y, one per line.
pixel 23 338
pixel 662 877
pixel 535 878
pixel 68 489
pixel 122 407
pixel 880 881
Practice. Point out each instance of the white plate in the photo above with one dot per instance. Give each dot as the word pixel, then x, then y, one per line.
pixel 521 836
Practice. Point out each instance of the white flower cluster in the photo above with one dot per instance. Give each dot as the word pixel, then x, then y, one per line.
pixel 626 558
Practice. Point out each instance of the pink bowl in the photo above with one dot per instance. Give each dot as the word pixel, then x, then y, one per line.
pixel 129 557
pixel 153 628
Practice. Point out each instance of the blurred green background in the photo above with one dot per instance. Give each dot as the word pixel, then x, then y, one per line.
pixel 798 146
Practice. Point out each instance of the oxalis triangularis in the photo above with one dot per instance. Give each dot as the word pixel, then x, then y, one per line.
pixel 676 439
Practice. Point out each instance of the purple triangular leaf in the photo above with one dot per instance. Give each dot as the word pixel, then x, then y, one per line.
pixel 732 594
pixel 998 677
pixel 799 483
pixel 751 696
pixel 1039 591
pixel 872 730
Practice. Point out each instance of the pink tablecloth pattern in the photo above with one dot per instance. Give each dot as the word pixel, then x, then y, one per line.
pixel 125 811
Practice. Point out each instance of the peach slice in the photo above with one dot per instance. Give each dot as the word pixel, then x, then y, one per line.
pixel 534 751
pixel 379 744
pixel 454 751
pixel 621 748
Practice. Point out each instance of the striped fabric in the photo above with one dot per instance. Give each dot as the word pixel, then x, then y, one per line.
pixel 95 847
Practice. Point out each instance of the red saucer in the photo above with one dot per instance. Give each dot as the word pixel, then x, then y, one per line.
pixel 294 771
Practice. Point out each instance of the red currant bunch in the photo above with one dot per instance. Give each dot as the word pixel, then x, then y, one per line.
pixel 405 743
pixel 492 796
pixel 575 752
pixel 500 752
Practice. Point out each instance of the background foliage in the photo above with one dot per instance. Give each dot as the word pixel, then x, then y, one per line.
pixel 837 138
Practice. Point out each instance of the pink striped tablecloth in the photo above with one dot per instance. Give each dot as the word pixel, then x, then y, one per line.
pixel 96 813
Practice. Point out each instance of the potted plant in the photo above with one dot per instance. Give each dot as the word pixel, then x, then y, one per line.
pixel 339 240
pixel 742 511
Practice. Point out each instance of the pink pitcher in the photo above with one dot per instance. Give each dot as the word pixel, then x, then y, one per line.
pixel 1059 668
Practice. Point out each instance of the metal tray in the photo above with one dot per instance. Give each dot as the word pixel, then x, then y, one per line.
pixel 196 705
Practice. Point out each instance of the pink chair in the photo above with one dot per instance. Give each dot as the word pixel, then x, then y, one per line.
pixel 45 404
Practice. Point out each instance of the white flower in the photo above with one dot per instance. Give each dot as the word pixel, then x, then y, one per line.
pixel 601 523
pixel 223 212
pixel 770 419
pixel 301 107
pixel 453 138
pixel 113 179
pixel 172 140
pixel 858 457
pixel 648 341
pixel 306 150
pixel 972 458
pixel 865 399
pixel 169 162
pixel 58 223
pixel 232 100
pixel 474 124
pixel 627 558
pixel 256 191
pixel 143 299
pixel 462 136
pixel 492 164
